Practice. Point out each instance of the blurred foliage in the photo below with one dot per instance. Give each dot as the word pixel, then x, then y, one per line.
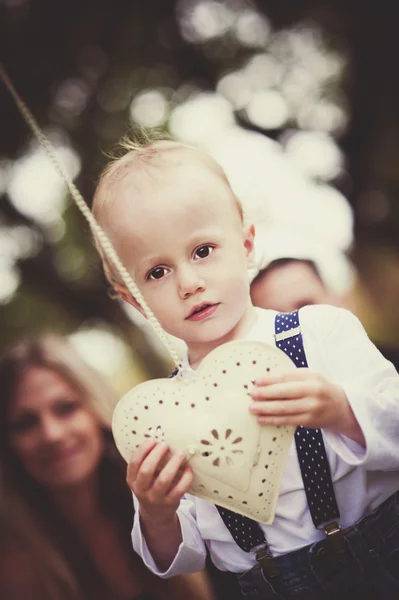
pixel 104 53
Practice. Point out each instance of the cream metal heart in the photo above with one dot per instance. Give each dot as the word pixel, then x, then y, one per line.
pixel 237 463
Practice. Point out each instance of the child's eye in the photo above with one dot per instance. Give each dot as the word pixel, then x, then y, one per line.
pixel 203 251
pixel 157 273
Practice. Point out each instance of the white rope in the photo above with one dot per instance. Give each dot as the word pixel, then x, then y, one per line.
pixel 105 243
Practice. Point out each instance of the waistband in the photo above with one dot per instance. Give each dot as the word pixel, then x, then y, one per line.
pixel 364 538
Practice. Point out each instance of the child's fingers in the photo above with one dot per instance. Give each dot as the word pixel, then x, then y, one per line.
pixel 276 391
pixel 314 386
pixel 181 487
pixel 282 408
pixel 149 467
pixel 137 458
pixel 169 474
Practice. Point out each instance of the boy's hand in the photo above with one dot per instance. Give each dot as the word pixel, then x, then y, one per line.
pixel 305 398
pixel 158 479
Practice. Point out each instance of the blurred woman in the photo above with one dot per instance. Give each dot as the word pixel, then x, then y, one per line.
pixel 65 509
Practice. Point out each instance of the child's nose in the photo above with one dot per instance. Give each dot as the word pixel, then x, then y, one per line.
pixel 190 282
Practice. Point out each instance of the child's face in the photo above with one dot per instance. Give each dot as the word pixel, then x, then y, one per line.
pixel 183 241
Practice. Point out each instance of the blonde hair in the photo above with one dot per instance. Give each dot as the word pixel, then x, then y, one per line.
pixel 139 153
pixel 22 517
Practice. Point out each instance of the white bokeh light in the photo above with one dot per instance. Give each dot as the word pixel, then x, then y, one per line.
pixel 263 71
pixel 23 240
pixel 267 109
pixel 315 153
pixel 10 250
pixel 299 86
pixel 235 87
pixel 202 118
pixel 323 116
pixel 102 349
pixel 9 279
pixel 252 29
pixel 35 187
pixel 15 243
pixel 149 108
pixel 205 20
pixel 303 41
pixel 325 65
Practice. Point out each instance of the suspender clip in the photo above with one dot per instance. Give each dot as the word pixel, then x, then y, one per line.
pixel 335 536
pixel 266 561
pixel 285 335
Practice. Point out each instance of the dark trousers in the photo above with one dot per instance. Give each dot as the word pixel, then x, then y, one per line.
pixel 366 568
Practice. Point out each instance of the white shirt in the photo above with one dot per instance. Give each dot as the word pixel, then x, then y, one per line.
pixel 338 348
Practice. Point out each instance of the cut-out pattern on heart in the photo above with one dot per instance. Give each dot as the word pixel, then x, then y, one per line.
pixel 237 463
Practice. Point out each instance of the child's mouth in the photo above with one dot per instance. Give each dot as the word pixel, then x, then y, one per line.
pixel 202 312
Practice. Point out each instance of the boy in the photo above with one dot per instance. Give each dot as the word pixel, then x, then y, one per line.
pixel 179 230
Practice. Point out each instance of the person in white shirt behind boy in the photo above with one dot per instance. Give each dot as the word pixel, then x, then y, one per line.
pixel 291 271
pixel 179 230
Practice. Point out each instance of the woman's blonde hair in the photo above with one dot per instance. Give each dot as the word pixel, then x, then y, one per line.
pixel 23 502
pixel 138 152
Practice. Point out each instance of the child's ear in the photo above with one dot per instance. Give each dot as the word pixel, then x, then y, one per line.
pixel 249 239
pixel 127 297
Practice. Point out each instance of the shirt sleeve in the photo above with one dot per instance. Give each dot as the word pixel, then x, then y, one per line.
pixel 191 554
pixel 371 384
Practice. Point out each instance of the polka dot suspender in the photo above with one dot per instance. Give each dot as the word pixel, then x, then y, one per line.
pixel 311 452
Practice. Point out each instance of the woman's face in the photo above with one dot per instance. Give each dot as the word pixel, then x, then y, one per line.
pixel 58 441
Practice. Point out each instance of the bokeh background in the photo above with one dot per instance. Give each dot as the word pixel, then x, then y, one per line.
pixel 299 101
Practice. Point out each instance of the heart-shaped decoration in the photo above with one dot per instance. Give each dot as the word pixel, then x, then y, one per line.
pixel 237 463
